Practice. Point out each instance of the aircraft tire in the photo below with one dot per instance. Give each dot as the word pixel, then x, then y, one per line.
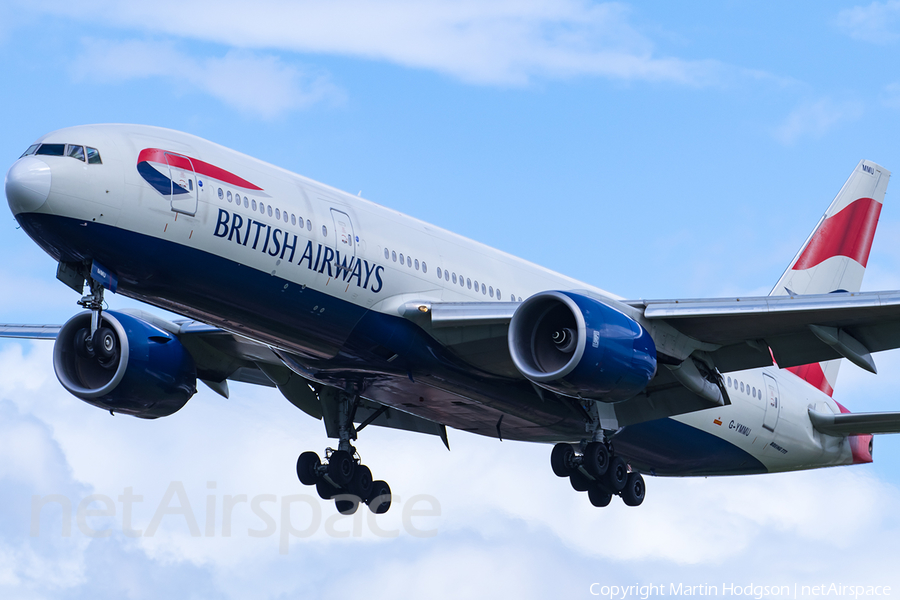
pixel 579 481
pixel 634 491
pixel 380 499
pixel 598 496
pixel 361 484
pixel 616 475
pixel 307 465
pixel 325 490
pixel 346 504
pixel 562 460
pixel 596 459
pixel 341 467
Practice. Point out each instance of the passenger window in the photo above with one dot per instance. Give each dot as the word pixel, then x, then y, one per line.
pixel 446 275
pixel 491 291
pixel 93 156
pixel 499 297
pixel 520 298
pixel 729 382
pixel 277 214
pixel 469 281
pixel 387 254
pixel 454 278
pixel 51 150
pixel 269 210
pixel 476 285
pixel 424 267
pixel 247 203
pixel 31 150
pixel 308 225
pixel 253 204
pixel 293 219
pixel 228 195
pixel 440 273
pixel 324 231
pixel 483 289
pixel 417 264
pixel 191 185
pixel 221 194
pixel 394 255
pixel 401 258
pixel 742 386
pixel 76 152
pixel 409 262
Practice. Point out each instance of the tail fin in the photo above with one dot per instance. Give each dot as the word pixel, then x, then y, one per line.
pixel 834 256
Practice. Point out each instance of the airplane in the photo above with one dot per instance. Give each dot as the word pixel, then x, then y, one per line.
pixel 360 315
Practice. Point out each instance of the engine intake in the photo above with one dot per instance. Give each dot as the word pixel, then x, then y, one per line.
pixel 578 346
pixel 128 366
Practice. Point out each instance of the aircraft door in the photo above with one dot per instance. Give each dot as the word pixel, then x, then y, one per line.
pixel 773 403
pixel 184 188
pixel 345 240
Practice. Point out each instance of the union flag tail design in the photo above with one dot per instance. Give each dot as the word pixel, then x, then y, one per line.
pixel 834 257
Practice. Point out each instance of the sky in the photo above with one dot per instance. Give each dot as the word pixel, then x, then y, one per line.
pixel 653 149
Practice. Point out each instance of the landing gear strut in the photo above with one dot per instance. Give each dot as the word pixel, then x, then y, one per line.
pixel 599 472
pixel 98 342
pixel 342 477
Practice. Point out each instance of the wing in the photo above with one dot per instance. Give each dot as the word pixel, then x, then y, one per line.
pixel 855 423
pixel 221 356
pixel 798 329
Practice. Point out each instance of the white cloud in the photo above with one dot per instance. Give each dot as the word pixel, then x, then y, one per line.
pixel 878 23
pixel 815 119
pixel 263 85
pixel 499 42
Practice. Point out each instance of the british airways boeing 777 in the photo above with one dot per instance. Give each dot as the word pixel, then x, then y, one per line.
pixel 362 316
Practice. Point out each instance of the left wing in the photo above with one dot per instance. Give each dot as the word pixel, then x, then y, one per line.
pixel 221 356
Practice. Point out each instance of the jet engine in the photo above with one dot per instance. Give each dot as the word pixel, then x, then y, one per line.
pixel 578 346
pixel 127 366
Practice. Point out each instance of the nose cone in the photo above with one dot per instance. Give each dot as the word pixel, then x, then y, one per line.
pixel 27 185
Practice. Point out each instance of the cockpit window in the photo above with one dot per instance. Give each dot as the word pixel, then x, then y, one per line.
pixel 93 156
pixel 75 152
pixel 31 150
pixel 51 150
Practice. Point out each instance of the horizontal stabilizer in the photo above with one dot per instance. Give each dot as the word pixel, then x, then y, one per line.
pixel 855 423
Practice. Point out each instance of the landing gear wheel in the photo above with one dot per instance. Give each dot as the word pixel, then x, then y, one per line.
pixel 562 460
pixel 307 468
pixel 616 475
pixel 106 346
pixel 83 347
pixel 598 496
pixel 633 493
pixel 596 459
pixel 380 499
pixel 361 484
pixel 579 481
pixel 325 490
pixel 346 504
pixel 341 467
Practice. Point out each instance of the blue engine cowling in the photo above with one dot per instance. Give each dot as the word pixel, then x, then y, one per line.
pixel 578 346
pixel 137 369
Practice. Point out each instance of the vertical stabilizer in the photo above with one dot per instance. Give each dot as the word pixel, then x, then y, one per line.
pixel 834 256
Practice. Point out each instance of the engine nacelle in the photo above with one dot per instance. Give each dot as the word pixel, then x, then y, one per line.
pixel 129 366
pixel 578 346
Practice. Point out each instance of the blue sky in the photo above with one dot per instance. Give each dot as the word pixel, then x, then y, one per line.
pixel 653 149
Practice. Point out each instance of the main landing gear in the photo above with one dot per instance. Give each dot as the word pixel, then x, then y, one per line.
pixel 342 477
pixel 599 472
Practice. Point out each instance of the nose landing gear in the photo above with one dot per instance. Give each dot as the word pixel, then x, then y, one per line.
pixel 599 472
